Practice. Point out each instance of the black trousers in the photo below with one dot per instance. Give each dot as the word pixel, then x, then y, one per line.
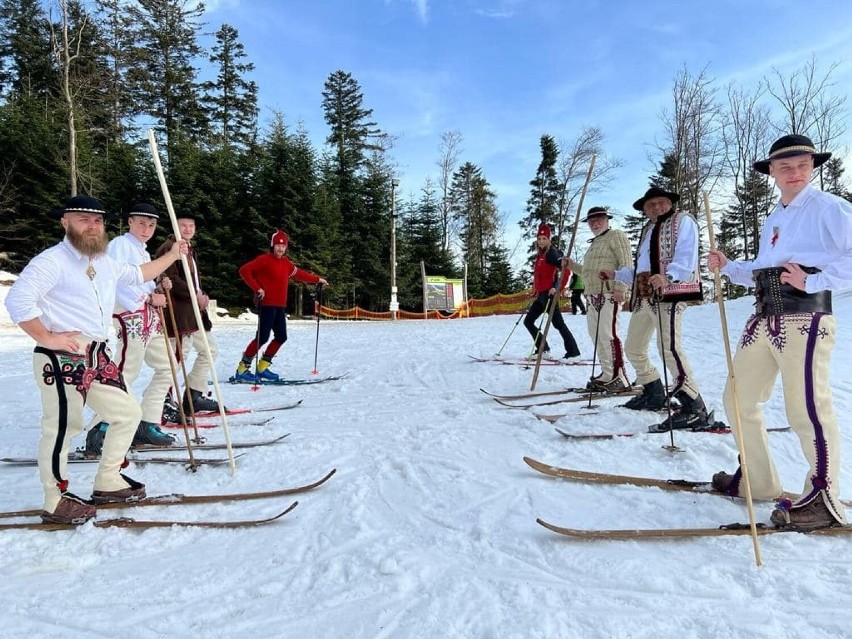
pixel 535 311
pixel 577 301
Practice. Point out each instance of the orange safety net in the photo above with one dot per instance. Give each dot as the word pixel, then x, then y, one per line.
pixel 495 305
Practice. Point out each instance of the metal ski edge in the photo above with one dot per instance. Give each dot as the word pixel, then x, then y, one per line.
pixel 126 522
pixel 680 533
pixel 179 499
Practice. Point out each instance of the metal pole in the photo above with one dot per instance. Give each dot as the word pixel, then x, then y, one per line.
pixel 394 304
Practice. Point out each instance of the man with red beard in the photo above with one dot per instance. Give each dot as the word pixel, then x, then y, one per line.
pixel 64 300
pixel 269 275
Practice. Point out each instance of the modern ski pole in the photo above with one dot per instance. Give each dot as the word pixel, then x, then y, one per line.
pixel 601 302
pixel 317 312
pixel 658 299
pixel 257 300
pixel 520 317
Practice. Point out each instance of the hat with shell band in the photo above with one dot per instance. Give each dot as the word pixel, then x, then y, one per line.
pixel 789 146
pixel 80 204
pixel 143 209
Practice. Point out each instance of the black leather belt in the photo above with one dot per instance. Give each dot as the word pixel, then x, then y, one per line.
pixel 775 298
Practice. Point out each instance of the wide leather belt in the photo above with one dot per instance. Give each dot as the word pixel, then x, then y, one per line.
pixel 774 298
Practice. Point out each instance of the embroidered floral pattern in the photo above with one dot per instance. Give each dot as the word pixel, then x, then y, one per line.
pixel 141 325
pixel 776 327
pixel 73 370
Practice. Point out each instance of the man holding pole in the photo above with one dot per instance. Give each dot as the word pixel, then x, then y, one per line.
pixel 805 253
pixel 137 327
pixel 664 278
pixel 269 275
pixel 609 249
pixel 64 300
pixel 186 328
pixel 548 262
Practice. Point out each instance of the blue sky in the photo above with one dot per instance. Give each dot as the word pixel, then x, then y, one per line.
pixel 504 72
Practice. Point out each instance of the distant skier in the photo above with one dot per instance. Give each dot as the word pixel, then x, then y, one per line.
pixel 269 275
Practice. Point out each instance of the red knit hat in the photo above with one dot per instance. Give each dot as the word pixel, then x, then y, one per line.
pixel 279 238
pixel 544 229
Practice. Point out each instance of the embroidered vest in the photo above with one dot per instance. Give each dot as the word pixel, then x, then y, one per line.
pixel 664 233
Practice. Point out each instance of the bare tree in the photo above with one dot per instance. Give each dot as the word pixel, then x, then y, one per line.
pixel 694 137
pixel 66 48
pixel 745 136
pixel 450 149
pixel 808 105
pixel 574 158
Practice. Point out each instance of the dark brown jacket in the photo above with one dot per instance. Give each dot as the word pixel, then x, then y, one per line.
pixel 184 315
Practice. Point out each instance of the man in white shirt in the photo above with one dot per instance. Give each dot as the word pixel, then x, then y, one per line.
pixel 140 335
pixel 663 279
pixel 64 300
pixel 805 253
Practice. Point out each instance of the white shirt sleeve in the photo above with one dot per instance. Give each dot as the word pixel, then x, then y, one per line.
pixel 685 258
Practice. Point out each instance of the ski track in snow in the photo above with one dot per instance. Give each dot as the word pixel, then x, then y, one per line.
pixel 428 528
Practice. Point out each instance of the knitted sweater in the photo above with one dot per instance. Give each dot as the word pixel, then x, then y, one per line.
pixel 608 251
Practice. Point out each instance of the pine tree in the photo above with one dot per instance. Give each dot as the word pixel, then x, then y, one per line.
pixel 475 208
pixel 231 99
pixel 360 183
pixel 542 204
pixel 163 75
pixel 25 49
pixel 832 173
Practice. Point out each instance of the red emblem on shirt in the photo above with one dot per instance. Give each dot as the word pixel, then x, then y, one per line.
pixel 774 235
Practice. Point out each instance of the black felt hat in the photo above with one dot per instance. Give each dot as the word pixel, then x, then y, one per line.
pixel 597 211
pixel 80 204
pixel 789 146
pixel 143 209
pixel 651 193
pixel 188 214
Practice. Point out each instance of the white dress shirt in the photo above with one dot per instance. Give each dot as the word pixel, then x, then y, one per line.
pixel 814 229
pixel 127 248
pixel 684 261
pixel 55 288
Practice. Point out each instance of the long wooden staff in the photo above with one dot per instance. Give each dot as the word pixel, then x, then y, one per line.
pixel 196 310
pixel 180 358
pixel 175 385
pixel 738 427
pixel 555 302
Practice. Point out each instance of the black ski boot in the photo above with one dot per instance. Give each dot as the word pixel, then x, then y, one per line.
pixel 653 397
pixel 691 416
pixel 171 412
pixel 200 402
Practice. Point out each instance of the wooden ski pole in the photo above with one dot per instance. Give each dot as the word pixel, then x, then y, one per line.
pixel 555 302
pixel 738 427
pixel 193 298
pixel 172 368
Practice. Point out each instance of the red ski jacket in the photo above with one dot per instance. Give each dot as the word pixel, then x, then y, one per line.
pixel 273 274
